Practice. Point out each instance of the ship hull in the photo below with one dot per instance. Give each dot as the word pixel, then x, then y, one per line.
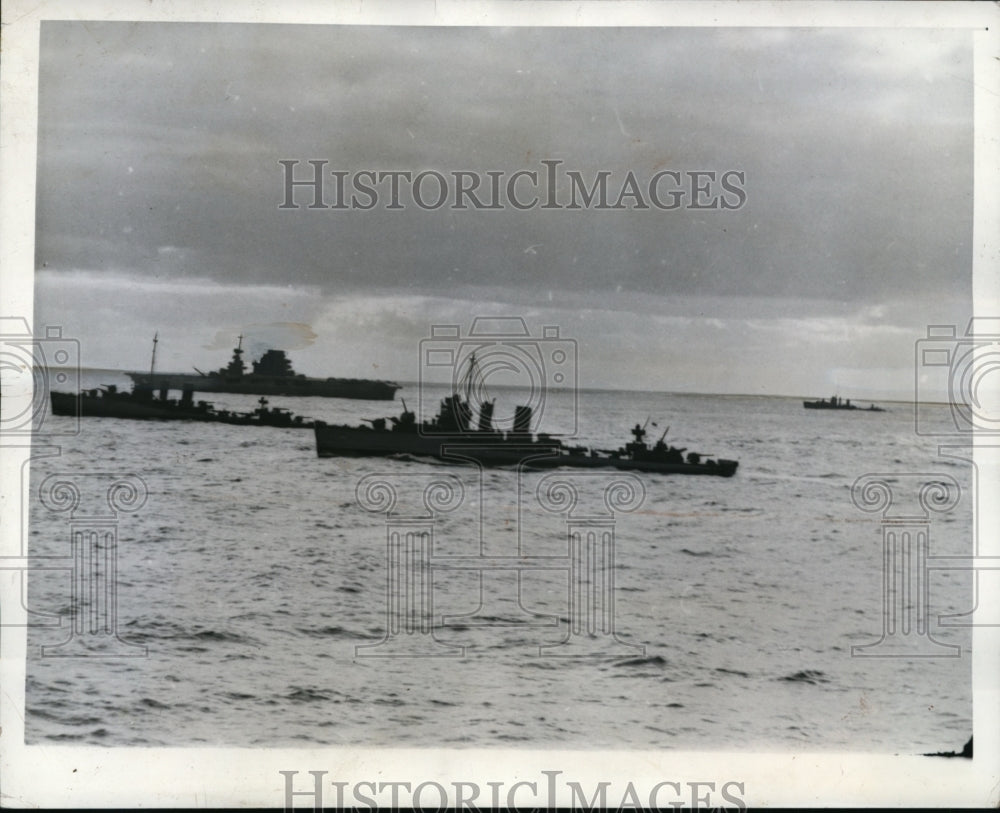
pixel 362 389
pixel 135 409
pixel 105 407
pixel 842 407
pixel 822 405
pixel 490 450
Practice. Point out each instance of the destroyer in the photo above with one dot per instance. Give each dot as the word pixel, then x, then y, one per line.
pixel 839 403
pixel 271 375
pixel 451 436
pixel 140 404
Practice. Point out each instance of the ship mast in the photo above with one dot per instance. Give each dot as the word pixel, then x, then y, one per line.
pixel 470 376
pixel 152 361
pixel 236 367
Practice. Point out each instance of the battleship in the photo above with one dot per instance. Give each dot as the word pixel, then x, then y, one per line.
pixel 272 374
pixel 142 404
pixel 839 403
pixel 451 436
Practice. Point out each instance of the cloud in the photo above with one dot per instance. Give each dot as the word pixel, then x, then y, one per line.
pixel 850 140
pixel 630 341
pixel 159 190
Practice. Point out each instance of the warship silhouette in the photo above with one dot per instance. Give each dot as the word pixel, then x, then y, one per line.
pixel 271 375
pixel 143 404
pixel 452 436
pixel 839 403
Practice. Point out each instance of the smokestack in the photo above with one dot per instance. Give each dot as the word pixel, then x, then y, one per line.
pixel 486 416
pixel 522 420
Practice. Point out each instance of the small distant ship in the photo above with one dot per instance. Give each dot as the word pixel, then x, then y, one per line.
pixel 839 403
pixel 451 436
pixel 141 404
pixel 271 375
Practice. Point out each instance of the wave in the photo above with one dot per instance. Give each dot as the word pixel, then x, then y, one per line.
pixel 736 672
pixel 306 694
pixel 652 660
pixel 811 676
pixel 332 631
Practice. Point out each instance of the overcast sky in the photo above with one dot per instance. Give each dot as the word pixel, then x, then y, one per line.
pixel 159 190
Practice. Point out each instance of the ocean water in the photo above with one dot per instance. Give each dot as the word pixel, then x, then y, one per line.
pixel 250 576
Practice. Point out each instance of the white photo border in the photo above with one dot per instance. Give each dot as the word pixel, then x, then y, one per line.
pixel 86 776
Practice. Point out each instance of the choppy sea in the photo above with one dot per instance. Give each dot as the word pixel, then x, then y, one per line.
pixel 251 575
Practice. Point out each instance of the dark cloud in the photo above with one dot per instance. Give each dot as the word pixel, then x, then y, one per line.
pixel 158 173
pixel 856 148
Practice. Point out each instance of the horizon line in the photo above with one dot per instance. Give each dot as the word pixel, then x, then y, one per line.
pixel 414 384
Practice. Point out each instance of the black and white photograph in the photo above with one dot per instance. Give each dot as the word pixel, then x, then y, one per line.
pixel 500 405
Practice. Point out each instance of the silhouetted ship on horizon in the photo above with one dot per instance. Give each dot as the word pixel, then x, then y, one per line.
pixel 141 404
pixel 839 403
pixel 271 375
pixel 451 437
